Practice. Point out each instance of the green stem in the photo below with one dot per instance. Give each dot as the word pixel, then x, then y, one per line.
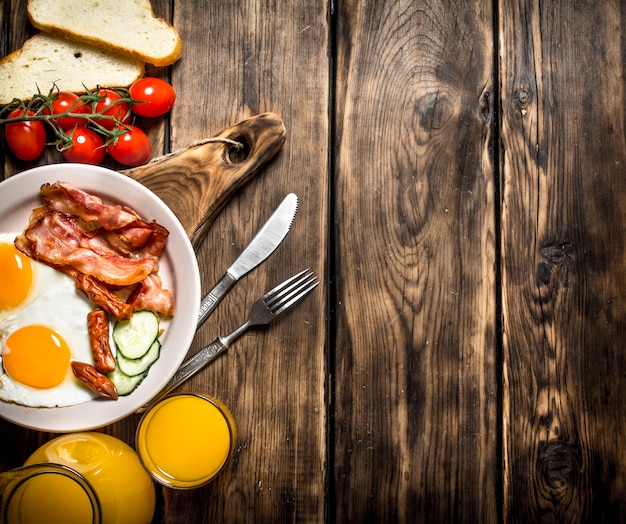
pixel 39 102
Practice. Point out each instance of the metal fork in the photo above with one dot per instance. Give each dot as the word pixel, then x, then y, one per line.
pixel 275 302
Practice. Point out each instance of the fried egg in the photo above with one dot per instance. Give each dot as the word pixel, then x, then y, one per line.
pixel 43 327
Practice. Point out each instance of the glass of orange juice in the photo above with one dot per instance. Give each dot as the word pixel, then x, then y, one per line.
pixel 124 488
pixel 185 440
pixel 49 493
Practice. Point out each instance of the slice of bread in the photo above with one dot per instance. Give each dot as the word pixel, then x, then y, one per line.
pixel 125 26
pixel 46 60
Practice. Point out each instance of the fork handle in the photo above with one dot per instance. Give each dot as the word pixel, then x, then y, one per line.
pixel 188 369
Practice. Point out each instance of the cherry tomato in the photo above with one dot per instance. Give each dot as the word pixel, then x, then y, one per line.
pixel 27 140
pixel 120 110
pixel 88 147
pixel 62 103
pixel 133 148
pixel 155 97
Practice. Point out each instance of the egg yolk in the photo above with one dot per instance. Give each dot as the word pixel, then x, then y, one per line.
pixel 17 276
pixel 36 356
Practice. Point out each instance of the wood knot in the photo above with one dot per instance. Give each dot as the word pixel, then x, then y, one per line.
pixel 557 259
pixel 558 472
pixel 558 254
pixel 523 96
pixel 432 112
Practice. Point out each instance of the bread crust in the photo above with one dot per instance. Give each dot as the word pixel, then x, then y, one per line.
pixel 97 34
pixel 129 52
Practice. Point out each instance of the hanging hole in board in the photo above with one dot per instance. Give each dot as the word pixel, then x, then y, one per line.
pixel 237 155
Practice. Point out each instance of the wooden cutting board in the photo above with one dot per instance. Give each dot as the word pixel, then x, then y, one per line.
pixel 198 181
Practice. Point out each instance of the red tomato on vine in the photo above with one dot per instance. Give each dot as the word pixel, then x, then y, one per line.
pixel 133 148
pixel 64 102
pixel 153 97
pixel 111 108
pixel 27 139
pixel 88 147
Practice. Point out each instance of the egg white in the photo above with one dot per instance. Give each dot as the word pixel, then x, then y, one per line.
pixel 44 277
pixel 55 302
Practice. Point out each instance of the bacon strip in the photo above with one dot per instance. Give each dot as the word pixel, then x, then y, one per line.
pixel 150 295
pixel 140 239
pixel 101 296
pixel 98 328
pixel 56 239
pixel 127 231
pixel 64 198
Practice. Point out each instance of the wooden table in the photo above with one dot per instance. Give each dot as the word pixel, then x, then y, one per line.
pixel 461 168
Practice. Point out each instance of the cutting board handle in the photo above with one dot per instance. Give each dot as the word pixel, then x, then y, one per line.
pixel 198 181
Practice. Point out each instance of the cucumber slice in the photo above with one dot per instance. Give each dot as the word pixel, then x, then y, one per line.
pixel 134 337
pixel 124 384
pixel 134 367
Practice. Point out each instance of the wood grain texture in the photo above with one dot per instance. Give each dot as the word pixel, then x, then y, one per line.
pixel 564 263
pixel 415 395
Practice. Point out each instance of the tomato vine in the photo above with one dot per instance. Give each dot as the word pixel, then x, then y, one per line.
pixel 39 108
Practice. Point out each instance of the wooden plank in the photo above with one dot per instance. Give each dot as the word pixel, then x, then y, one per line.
pixel 564 260
pixel 242 58
pixel 416 384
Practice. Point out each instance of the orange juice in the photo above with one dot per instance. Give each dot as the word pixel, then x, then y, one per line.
pixel 185 440
pixel 44 493
pixel 124 488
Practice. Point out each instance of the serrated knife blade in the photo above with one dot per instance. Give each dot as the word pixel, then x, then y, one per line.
pixel 259 249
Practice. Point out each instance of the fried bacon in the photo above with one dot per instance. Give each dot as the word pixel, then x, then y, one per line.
pixel 101 296
pixel 126 231
pixel 150 295
pixel 140 239
pixel 98 328
pixel 66 199
pixel 105 248
pixel 57 239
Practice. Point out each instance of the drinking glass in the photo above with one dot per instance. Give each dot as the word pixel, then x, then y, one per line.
pixel 50 493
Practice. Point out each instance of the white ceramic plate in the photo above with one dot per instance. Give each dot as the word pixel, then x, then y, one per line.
pixel 19 195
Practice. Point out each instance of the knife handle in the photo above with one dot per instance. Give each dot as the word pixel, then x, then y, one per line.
pixel 188 369
pixel 210 301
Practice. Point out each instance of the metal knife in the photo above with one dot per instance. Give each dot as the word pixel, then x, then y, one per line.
pixel 262 246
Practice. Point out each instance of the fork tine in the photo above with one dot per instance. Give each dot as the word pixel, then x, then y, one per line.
pixel 294 289
pixel 284 287
pixel 294 300
pixel 292 294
